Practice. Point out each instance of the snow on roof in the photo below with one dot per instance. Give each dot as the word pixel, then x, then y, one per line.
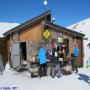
pixel 5 26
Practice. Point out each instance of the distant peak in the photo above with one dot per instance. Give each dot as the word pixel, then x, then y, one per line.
pixel 80 24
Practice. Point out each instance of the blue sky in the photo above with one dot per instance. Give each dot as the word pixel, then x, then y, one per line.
pixel 66 12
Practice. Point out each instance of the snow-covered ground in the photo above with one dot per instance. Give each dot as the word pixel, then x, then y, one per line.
pixel 23 81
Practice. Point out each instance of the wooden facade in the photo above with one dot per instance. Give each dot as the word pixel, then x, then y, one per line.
pixel 32 34
pixel 32 31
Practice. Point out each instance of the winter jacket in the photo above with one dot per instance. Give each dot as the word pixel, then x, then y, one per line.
pixel 42 56
pixel 76 52
pixel 54 56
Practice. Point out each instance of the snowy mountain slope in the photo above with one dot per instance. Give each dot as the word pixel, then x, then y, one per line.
pixel 83 27
pixel 5 26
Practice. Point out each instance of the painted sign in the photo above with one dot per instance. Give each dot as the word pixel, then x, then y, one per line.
pixel 46 34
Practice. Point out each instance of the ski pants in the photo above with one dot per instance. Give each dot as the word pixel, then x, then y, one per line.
pixel 56 70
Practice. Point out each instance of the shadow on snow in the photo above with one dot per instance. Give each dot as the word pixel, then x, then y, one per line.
pixel 85 78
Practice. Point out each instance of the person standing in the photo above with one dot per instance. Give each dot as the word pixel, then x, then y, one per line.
pixel 75 60
pixel 1 66
pixel 42 61
pixel 55 62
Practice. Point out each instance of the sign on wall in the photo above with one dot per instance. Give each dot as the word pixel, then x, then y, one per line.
pixel 60 40
pixel 46 34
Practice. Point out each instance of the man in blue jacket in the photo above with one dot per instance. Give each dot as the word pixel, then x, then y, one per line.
pixel 75 61
pixel 42 61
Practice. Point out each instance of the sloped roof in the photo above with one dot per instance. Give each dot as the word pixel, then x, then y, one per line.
pixel 28 23
pixel 39 18
pixel 64 29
